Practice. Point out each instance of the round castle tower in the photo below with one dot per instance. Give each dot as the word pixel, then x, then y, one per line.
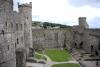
pixel 25 11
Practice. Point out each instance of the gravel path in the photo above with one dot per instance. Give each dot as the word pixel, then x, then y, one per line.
pixel 48 59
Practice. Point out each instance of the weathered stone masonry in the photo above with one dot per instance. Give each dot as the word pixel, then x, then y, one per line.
pixel 15 34
pixel 51 38
pixel 16 42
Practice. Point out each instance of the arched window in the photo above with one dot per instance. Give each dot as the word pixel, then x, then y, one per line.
pixel 96 53
pixel 2 32
pixel 92 48
pixel 17 41
pixel 8 47
pixel 21 27
pixel 17 27
pixel 81 45
pixel 25 25
pixel 6 23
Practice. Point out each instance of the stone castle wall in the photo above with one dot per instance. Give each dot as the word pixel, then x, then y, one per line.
pixel 7 47
pixel 13 48
pixel 51 38
pixel 25 11
pixel 16 41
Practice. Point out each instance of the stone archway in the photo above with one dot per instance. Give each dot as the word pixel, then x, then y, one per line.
pixel 75 45
pixel 20 58
pixel 81 45
pixel 31 52
pixel 96 53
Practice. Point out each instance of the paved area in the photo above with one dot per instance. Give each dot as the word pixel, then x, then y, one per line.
pixel 34 65
pixel 48 59
pixel 90 64
pixel 81 55
pixel 48 64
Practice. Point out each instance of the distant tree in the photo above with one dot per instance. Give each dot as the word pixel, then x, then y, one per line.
pixel 46 24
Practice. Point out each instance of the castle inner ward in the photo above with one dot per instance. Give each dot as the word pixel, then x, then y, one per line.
pixel 18 40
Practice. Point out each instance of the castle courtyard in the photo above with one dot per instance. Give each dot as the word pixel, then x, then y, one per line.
pixel 28 43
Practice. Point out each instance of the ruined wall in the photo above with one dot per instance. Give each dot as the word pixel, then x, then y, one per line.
pixel 89 41
pixel 51 38
pixel 94 39
pixel 86 38
pixel 68 38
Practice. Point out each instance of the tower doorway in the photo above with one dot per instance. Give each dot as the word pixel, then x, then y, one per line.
pixel 20 59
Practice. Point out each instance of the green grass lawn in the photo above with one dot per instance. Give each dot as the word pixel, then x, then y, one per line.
pixel 66 65
pixel 58 55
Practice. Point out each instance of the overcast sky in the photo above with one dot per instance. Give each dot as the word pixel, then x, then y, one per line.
pixel 65 11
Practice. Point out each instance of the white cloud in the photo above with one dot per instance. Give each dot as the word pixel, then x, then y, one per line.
pixel 61 11
pixel 93 3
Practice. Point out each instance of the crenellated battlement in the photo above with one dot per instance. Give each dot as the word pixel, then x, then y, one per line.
pixel 6 4
pixel 83 22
